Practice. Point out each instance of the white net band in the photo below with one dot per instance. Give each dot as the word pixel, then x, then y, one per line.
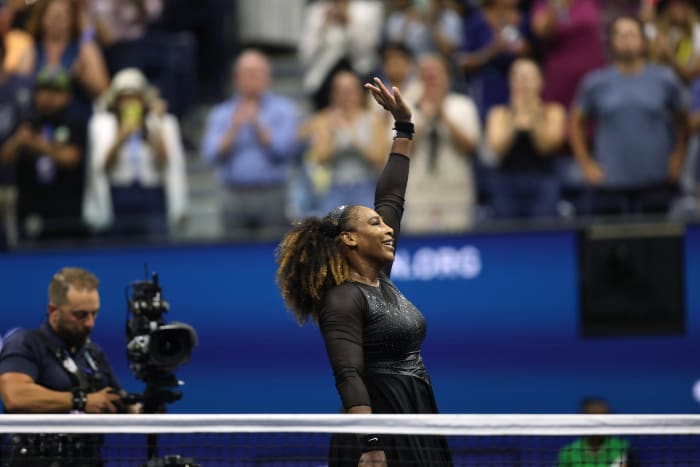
pixel 443 424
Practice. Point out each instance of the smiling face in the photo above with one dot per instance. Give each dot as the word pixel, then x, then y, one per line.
pixel 368 236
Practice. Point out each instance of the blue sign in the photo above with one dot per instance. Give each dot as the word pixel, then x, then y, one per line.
pixel 502 312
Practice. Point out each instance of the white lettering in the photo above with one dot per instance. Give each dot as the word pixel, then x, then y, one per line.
pixel 444 262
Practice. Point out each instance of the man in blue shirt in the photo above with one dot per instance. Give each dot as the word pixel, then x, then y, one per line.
pixel 58 369
pixel 641 129
pixel 251 139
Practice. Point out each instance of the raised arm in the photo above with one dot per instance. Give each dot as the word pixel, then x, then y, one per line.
pixel 391 187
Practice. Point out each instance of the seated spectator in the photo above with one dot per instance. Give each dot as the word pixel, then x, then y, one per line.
pixel 19 45
pixel 136 179
pixel 440 195
pixel 495 36
pixel 641 129
pixel 596 451
pixel 347 145
pixel 676 38
pixel 47 151
pixel 570 35
pixel 55 25
pixel 524 136
pixel 337 35
pixel 251 139
pixel 166 58
pixel 434 27
pixel 15 100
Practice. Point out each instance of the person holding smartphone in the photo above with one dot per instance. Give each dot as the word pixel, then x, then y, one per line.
pixel 137 172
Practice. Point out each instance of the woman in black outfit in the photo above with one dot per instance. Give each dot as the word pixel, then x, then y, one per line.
pixel 335 271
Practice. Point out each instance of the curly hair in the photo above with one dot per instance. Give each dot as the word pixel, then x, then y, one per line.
pixel 310 262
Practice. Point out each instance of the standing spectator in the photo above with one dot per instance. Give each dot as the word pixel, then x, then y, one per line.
pixel 572 41
pixel 137 183
pixel 641 128
pixel 251 139
pixel 347 144
pixel 47 150
pixel 676 38
pixel 433 27
pixel 524 136
pixel 15 100
pixel 440 195
pixel 167 58
pixel 495 37
pixel 55 25
pixel 338 35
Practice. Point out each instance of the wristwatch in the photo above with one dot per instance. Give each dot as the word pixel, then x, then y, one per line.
pixel 79 400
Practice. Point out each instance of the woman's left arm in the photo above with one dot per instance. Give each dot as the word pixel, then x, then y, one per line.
pixel 91 70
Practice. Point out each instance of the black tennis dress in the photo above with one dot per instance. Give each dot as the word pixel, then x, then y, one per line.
pixel 373 337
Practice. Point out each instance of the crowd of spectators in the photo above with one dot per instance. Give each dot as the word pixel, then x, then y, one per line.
pixel 525 110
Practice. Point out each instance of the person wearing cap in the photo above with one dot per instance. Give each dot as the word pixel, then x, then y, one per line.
pixel 136 177
pixel 47 151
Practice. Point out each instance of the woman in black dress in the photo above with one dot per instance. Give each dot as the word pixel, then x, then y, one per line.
pixel 335 271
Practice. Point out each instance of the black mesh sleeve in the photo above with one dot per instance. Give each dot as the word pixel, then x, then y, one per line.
pixel 389 195
pixel 341 321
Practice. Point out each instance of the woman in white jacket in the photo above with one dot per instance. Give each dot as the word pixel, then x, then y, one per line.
pixel 136 181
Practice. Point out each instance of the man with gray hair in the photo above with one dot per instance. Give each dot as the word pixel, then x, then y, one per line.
pixel 58 369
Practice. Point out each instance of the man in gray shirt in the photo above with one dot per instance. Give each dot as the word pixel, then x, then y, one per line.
pixel 641 129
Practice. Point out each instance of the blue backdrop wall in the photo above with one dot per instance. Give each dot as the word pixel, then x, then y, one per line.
pixel 502 310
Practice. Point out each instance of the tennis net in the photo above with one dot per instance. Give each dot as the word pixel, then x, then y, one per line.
pixel 287 440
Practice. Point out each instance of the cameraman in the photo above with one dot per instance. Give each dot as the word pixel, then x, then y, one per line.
pixel 58 369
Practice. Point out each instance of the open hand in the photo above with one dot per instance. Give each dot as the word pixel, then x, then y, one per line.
pixel 390 100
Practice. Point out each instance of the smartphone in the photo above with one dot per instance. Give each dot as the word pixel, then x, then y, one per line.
pixel 132 113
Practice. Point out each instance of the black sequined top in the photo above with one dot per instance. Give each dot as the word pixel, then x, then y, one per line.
pixel 374 330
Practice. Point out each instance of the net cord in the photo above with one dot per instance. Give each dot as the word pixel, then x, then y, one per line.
pixel 442 424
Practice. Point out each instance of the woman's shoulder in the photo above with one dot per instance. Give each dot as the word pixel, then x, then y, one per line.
pixel 342 291
pixel 345 299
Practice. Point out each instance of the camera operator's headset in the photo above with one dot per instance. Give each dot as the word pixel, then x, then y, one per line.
pixel 83 383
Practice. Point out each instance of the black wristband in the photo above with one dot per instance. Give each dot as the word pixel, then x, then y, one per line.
pixel 371 443
pixel 403 130
pixel 79 398
pixel 404 126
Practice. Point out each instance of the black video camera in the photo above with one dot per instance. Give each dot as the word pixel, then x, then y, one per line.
pixel 155 349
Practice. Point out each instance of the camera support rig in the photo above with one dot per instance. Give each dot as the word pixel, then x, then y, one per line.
pixel 155 350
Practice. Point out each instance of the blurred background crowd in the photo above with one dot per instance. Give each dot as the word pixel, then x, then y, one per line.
pixel 161 120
